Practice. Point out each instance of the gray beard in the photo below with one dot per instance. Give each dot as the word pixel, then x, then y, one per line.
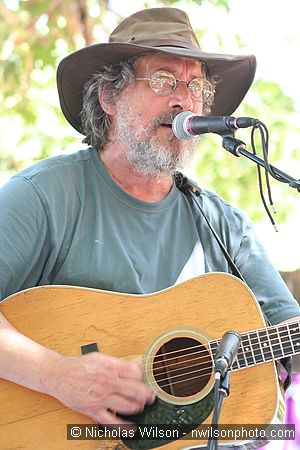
pixel 147 155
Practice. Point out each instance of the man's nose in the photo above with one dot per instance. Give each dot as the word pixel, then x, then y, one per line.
pixel 181 96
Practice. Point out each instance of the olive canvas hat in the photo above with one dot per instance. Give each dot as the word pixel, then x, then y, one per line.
pixel 162 30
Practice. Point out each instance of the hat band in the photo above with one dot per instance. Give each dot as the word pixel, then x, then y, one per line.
pixel 168 42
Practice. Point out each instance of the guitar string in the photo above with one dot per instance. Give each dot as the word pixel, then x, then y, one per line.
pixel 193 360
pixel 241 351
pixel 243 354
pixel 248 334
pixel 284 328
pixel 206 374
pixel 241 363
pixel 182 375
pixel 182 381
pixel 187 373
pixel 182 356
pixel 185 380
pixel 208 365
pixel 246 340
pixel 171 372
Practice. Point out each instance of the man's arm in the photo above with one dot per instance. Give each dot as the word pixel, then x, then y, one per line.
pixel 93 384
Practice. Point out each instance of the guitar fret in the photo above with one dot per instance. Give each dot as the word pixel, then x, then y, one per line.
pixel 266 345
pixel 290 338
pixel 256 348
pixel 294 331
pixel 285 340
pixel 275 343
pixel 235 365
pixel 262 355
pixel 247 349
pixel 214 348
pixel 241 355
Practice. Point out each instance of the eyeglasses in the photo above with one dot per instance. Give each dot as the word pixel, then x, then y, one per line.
pixel 164 83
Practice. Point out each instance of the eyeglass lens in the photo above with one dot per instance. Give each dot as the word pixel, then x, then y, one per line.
pixel 164 83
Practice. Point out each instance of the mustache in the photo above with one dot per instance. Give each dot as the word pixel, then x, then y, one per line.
pixel 167 117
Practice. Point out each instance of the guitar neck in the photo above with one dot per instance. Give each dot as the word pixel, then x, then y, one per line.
pixel 266 344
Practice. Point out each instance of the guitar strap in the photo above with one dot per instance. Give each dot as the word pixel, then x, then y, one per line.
pixel 192 190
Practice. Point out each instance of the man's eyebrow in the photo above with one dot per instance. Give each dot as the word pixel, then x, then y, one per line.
pixel 173 71
pixel 167 69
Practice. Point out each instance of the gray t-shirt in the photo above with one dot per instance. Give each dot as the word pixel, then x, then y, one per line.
pixel 65 221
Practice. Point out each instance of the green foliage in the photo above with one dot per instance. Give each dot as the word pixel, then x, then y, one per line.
pixel 29 56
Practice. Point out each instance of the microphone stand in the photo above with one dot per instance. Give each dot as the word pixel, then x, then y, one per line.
pixel 224 358
pixel 238 148
pixel 221 391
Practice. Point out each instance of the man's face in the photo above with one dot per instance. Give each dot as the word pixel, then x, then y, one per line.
pixel 142 122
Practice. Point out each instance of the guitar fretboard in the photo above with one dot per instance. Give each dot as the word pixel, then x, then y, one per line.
pixel 266 344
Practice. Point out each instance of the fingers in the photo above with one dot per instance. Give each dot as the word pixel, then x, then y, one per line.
pixel 129 382
pixel 120 375
pixel 117 366
pixel 123 405
pixel 106 417
pixel 137 391
pixel 130 369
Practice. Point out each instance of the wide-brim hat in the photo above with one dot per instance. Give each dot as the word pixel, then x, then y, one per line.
pixel 160 30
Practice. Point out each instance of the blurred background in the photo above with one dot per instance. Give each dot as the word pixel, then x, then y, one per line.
pixel 36 34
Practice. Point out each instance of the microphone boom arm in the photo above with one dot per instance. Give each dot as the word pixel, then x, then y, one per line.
pixel 238 148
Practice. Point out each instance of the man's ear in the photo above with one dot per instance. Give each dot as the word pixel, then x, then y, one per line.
pixel 106 101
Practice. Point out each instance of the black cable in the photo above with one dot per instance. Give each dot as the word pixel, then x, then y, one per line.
pixel 265 146
pixel 262 128
pixel 260 184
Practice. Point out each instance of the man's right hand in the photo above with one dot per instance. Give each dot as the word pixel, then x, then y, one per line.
pixel 100 386
pixel 95 384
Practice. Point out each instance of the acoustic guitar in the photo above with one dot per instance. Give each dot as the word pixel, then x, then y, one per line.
pixel 178 331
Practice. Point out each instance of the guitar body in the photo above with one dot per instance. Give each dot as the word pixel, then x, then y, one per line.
pixel 66 318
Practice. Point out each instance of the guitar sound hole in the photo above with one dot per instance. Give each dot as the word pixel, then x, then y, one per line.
pixel 182 367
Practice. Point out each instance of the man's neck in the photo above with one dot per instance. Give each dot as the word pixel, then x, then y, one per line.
pixel 149 188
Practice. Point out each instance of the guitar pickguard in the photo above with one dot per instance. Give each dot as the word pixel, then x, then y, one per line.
pixel 169 419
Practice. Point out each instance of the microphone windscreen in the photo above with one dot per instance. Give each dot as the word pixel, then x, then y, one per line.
pixel 179 125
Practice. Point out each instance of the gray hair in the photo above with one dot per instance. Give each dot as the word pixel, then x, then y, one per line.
pixel 95 121
pixel 113 79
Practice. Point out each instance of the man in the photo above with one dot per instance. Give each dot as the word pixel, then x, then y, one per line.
pixel 110 216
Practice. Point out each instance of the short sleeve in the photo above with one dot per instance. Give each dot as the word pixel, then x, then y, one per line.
pixel 24 239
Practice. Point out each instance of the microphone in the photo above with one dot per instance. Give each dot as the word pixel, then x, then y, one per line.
pixel 227 352
pixel 187 125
